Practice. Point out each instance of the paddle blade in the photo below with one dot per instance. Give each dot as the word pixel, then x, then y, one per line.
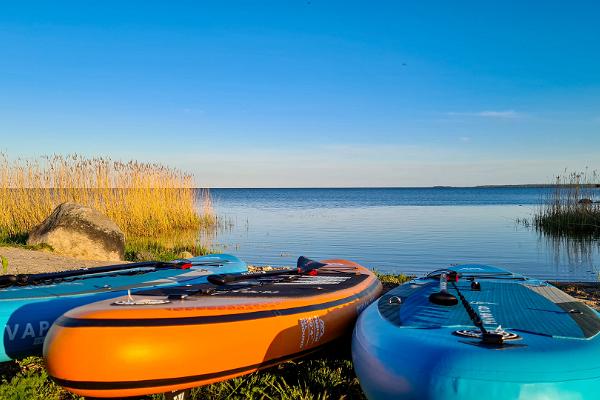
pixel 222 279
pixel 7 280
pixel 305 264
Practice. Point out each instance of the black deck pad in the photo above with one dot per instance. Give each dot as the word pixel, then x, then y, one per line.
pixel 273 286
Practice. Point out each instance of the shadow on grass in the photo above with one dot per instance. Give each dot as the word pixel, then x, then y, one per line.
pixel 326 374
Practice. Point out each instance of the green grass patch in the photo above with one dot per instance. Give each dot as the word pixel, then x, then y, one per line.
pixel 20 240
pixel 136 248
pixel 27 380
pixel 144 249
pixel 390 281
pixel 393 279
pixel 4 262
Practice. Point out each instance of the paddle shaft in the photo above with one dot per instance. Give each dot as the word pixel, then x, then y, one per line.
pixel 222 279
pixel 475 318
pixel 26 279
pixel 304 265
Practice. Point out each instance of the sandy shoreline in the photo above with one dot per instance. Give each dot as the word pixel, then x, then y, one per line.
pixel 24 261
pixel 588 293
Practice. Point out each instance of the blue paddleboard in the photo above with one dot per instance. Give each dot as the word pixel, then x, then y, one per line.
pixel 490 334
pixel 30 304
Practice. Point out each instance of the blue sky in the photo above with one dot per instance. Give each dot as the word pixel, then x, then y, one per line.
pixel 308 93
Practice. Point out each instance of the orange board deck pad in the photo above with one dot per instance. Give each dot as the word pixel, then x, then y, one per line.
pixel 186 336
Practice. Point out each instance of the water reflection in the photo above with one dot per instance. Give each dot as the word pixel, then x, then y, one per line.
pixel 207 237
pixel 575 252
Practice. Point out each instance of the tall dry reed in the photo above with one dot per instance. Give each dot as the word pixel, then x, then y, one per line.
pixel 572 208
pixel 144 199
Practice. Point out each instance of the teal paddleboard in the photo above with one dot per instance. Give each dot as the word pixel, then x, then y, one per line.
pixel 477 332
pixel 29 304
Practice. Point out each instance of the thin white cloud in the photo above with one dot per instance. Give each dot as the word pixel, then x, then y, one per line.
pixel 464 139
pixel 499 114
pixel 504 114
pixel 189 110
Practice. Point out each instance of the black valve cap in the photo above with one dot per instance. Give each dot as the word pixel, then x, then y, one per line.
pixel 443 299
pixel 476 286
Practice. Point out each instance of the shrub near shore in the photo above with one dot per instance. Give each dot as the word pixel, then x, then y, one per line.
pixel 572 208
pixel 146 200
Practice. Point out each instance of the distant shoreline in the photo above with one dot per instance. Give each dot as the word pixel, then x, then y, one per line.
pixel 519 186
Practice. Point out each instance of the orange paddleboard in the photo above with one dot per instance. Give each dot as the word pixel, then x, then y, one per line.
pixel 176 338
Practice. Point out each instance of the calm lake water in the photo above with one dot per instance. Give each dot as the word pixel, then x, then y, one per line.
pixel 402 230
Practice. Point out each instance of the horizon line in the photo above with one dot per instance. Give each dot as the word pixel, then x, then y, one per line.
pixel 538 185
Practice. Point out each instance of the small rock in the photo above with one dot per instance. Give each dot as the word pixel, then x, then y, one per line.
pixel 144 255
pixel 184 255
pixel 585 201
pixel 80 232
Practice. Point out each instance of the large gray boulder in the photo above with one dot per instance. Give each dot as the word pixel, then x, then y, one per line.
pixel 81 232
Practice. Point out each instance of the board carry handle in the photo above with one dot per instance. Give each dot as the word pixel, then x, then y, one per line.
pixel 303 266
pixel 31 279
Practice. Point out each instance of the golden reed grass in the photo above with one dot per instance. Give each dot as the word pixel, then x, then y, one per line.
pixel 143 199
